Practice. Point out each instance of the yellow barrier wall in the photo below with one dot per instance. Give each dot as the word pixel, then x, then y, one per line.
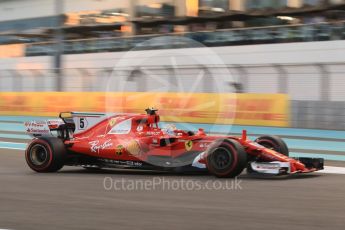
pixel 12 50
pixel 243 109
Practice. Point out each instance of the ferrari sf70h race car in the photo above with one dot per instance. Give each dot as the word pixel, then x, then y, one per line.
pixel 96 141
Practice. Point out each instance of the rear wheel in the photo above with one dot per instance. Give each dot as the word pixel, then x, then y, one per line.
pixel 226 158
pixel 46 154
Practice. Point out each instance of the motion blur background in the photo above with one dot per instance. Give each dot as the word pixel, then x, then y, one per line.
pixel 293 47
pixel 282 65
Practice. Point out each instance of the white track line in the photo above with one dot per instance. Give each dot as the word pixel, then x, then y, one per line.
pixel 7 142
pixel 11 148
pixel 333 170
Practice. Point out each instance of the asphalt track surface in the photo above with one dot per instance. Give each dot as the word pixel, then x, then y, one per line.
pixel 77 199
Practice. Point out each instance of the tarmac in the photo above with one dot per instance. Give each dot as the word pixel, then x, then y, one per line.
pixel 76 198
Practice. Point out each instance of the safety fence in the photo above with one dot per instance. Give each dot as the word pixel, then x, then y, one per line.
pixel 302 82
pixel 316 91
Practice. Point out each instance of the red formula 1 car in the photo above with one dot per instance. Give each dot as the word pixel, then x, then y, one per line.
pixel 93 140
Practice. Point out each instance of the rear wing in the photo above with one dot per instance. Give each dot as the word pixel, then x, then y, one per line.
pixel 43 127
pixel 82 120
pixel 65 126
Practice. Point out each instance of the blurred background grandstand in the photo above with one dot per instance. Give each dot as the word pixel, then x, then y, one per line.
pixel 294 47
pixel 109 25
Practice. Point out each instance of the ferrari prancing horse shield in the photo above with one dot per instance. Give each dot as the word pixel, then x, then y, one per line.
pixel 188 145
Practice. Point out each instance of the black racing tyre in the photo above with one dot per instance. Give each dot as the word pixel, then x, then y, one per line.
pixel 46 154
pixel 226 158
pixel 273 142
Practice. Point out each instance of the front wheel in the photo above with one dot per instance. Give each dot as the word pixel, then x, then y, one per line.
pixel 46 154
pixel 275 143
pixel 226 158
pixel 271 142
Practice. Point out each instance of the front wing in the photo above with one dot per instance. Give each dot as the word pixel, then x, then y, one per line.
pixel 284 168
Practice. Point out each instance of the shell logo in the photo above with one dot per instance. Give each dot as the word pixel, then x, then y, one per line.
pixel 133 148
